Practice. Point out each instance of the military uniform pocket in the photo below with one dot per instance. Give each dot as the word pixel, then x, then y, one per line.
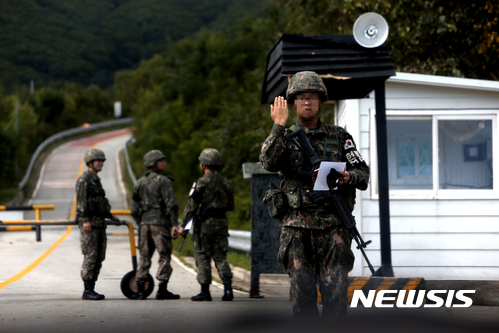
pixel 293 193
pixel 276 202
pixel 283 256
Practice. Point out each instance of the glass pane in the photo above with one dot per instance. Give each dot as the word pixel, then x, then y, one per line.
pixel 465 154
pixel 410 154
pixel 425 158
pixel 406 158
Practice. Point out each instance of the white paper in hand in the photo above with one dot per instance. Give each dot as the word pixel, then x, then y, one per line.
pixel 324 169
pixel 188 226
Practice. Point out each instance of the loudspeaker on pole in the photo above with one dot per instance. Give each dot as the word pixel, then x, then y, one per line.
pixel 370 30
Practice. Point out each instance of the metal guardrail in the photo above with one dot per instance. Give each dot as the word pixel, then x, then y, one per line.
pixel 65 134
pixel 127 161
pixel 240 240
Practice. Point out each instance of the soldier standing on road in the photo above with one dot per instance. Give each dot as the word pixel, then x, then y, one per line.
pixel 92 208
pixel 210 198
pixel 315 247
pixel 155 209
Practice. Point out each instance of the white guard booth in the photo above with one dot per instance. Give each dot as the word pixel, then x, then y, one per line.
pixel 443 154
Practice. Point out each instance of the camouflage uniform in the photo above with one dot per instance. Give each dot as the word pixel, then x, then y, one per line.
pixel 93 207
pixel 210 198
pixel 155 208
pixel 314 245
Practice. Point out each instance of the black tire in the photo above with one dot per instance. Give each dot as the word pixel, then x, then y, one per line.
pixel 129 287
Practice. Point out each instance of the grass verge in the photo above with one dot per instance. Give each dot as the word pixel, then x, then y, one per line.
pixel 7 194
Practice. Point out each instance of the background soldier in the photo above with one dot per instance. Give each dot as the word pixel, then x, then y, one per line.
pixel 210 198
pixel 315 247
pixel 155 208
pixel 92 208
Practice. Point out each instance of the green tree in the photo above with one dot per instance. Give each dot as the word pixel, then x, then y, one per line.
pixel 204 93
pixel 441 37
pixel 15 148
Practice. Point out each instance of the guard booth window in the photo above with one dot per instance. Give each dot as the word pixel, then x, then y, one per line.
pixel 465 154
pixel 435 152
pixel 410 153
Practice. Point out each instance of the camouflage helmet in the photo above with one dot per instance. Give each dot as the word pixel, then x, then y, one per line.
pixel 151 157
pixel 210 156
pixel 305 82
pixel 93 154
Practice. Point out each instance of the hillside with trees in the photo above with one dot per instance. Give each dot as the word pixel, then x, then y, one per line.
pixel 86 42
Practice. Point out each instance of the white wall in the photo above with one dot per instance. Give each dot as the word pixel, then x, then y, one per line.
pixel 452 238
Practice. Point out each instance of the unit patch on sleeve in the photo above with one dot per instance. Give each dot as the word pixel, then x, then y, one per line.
pixel 354 158
pixel 349 144
pixel 194 193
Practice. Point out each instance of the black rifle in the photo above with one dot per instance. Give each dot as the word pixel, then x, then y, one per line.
pixel 333 194
pixel 344 212
pixel 299 137
pixel 183 240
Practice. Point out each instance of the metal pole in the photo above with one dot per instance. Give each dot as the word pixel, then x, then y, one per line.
pixel 386 268
pixel 38 217
pixel 16 168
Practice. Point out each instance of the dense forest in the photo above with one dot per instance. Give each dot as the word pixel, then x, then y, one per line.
pixel 204 90
pixel 86 42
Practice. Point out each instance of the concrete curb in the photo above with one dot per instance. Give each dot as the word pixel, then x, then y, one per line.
pixel 487 292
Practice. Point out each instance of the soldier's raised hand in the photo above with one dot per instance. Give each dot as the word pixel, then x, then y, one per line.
pixel 279 111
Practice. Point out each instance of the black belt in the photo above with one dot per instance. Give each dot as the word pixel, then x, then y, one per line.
pixel 218 213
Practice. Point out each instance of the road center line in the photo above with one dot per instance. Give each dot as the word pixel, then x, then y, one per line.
pixel 60 240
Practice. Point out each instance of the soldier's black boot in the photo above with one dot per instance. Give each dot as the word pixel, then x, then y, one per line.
pixel 163 292
pixel 140 294
pixel 89 293
pixel 204 295
pixel 228 294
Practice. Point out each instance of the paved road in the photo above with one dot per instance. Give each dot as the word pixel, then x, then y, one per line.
pixel 46 295
pixel 40 285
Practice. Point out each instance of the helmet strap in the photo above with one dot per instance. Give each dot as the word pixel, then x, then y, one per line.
pixel 91 167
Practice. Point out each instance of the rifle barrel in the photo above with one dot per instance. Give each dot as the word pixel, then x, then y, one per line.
pixel 180 248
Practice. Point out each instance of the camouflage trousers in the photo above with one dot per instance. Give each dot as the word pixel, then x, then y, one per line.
pixel 317 257
pixel 211 242
pixel 152 237
pixel 93 247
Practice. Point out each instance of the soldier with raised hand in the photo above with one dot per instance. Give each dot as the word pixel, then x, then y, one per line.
pixel 315 246
pixel 92 208
pixel 155 209
pixel 210 198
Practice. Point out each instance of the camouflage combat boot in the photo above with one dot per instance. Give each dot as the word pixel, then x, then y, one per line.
pixel 228 294
pixel 163 292
pixel 140 294
pixel 204 295
pixel 89 293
